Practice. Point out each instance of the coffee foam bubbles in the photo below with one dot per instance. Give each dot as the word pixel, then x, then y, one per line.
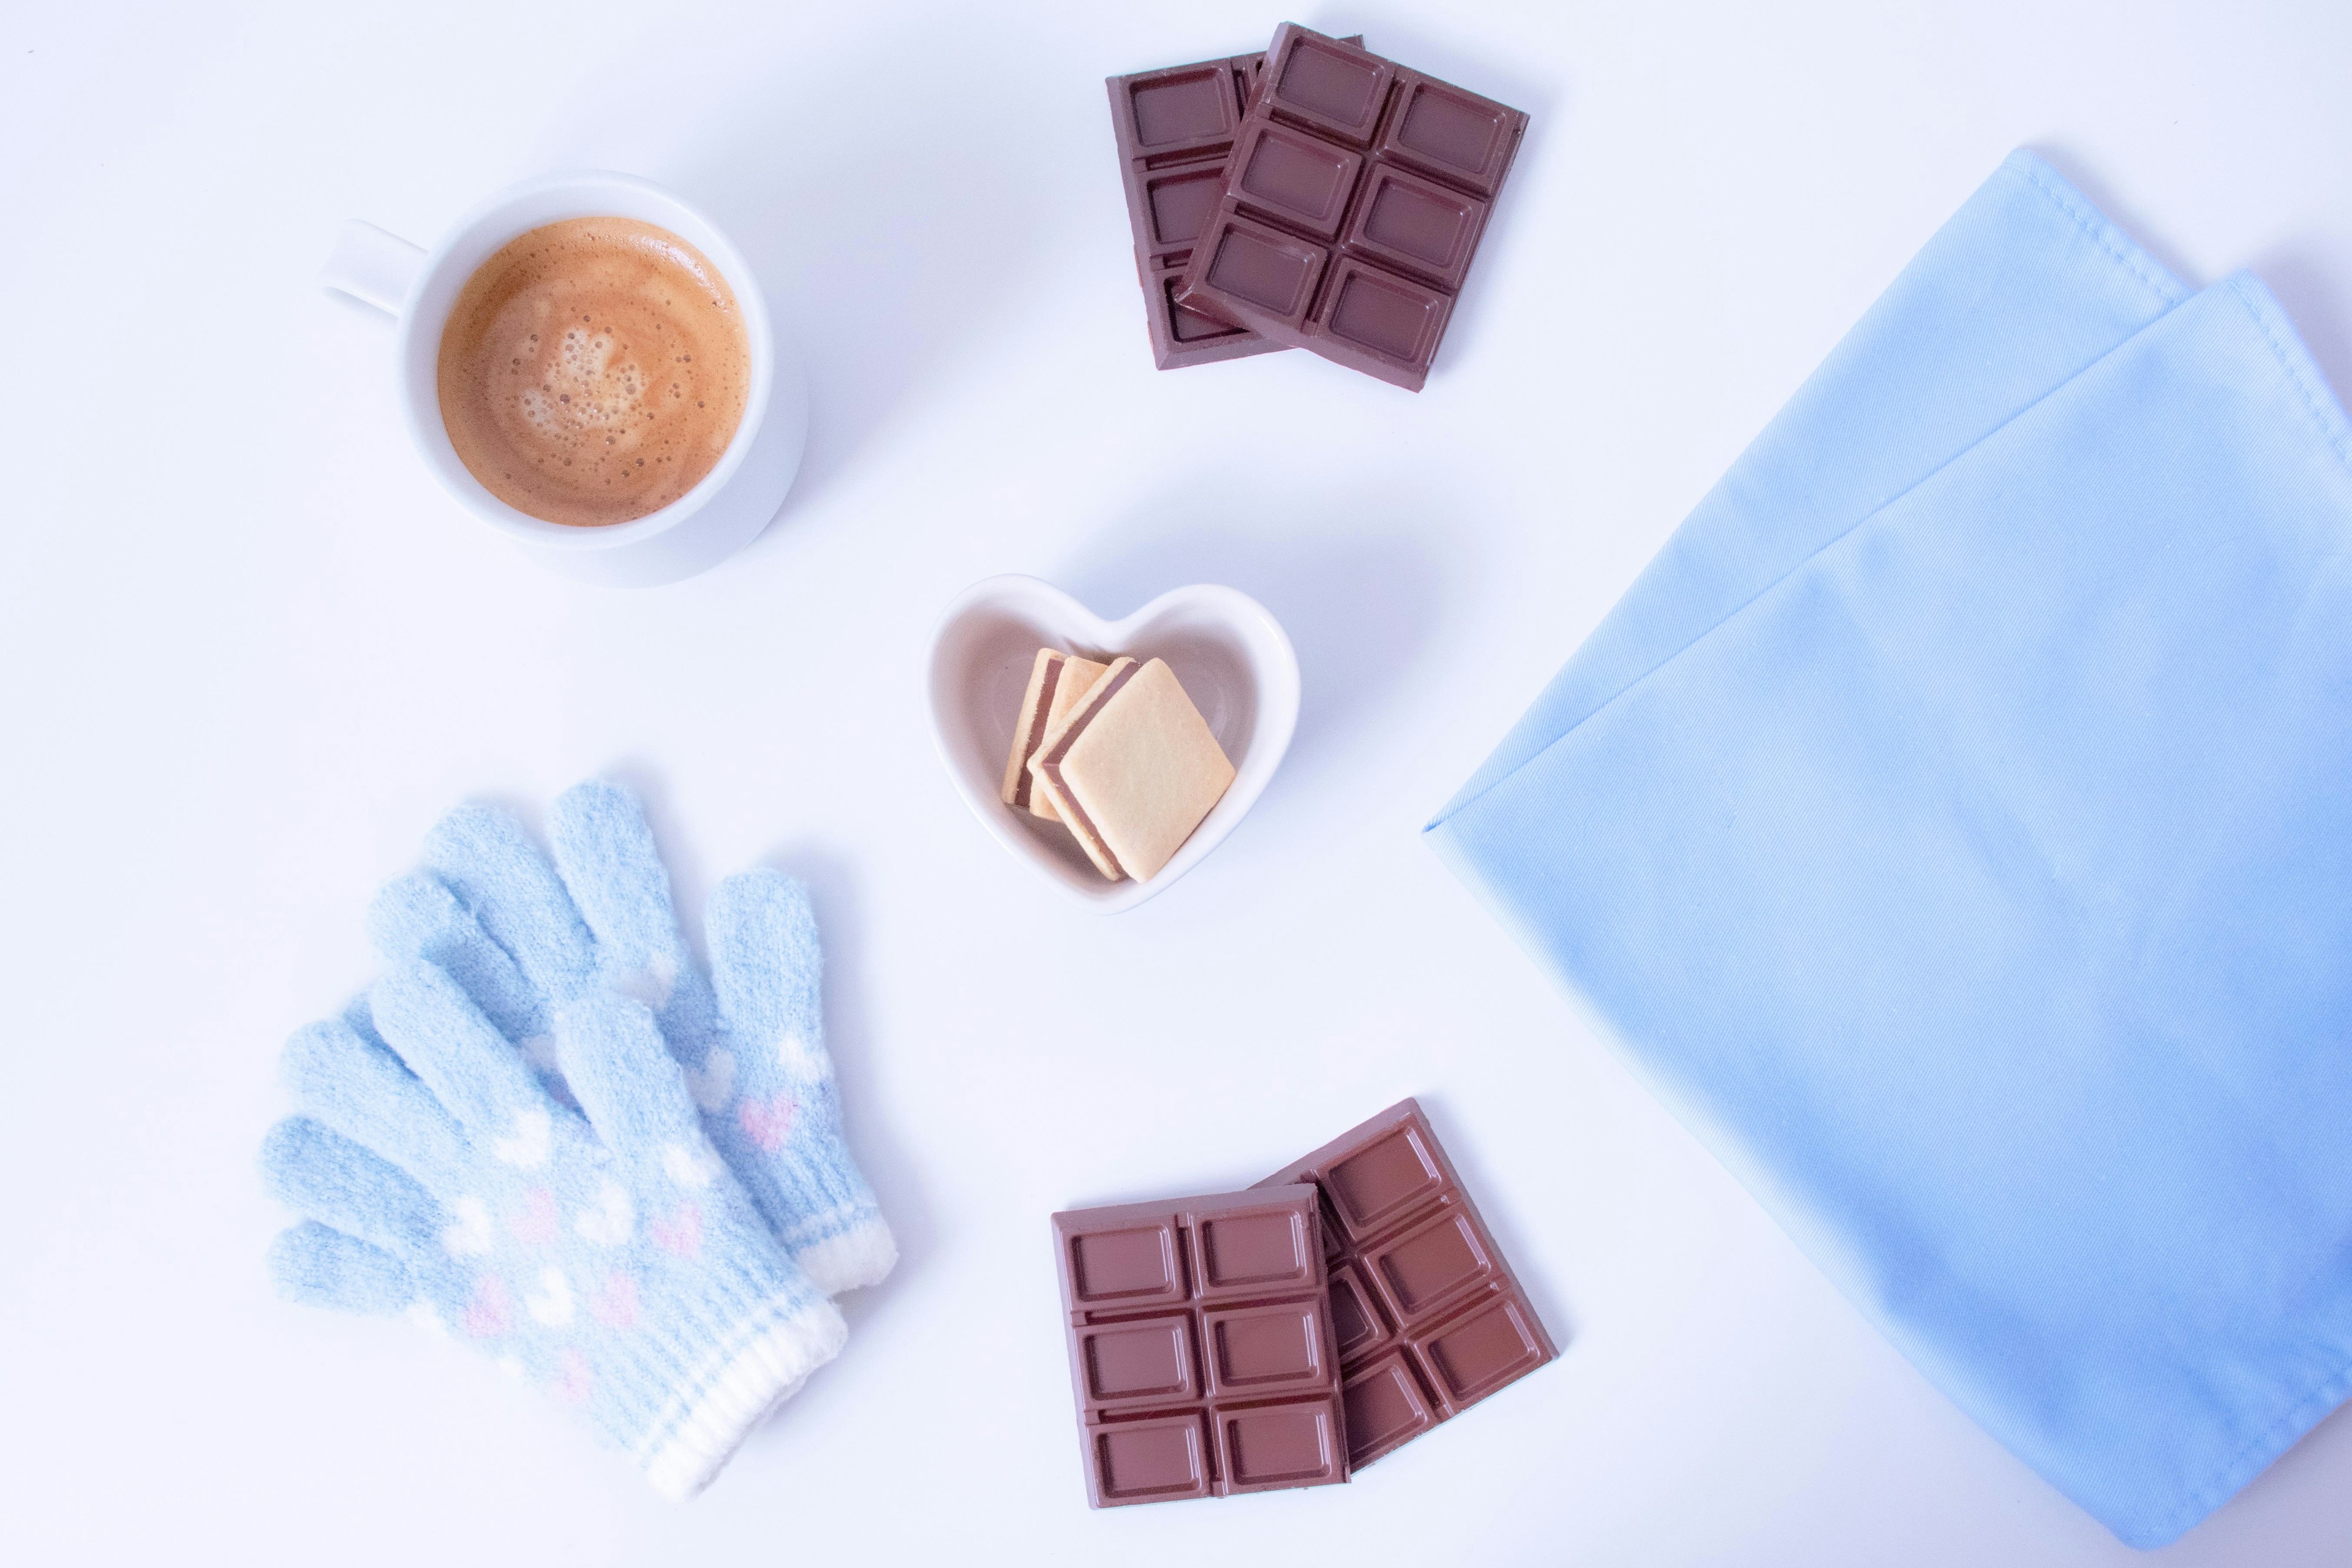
pixel 593 371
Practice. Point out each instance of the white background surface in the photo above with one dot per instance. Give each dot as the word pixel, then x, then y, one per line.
pixel 247 654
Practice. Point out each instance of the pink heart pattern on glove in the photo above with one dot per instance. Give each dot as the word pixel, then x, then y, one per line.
pixel 765 1122
pixel 615 1305
pixel 681 1232
pixel 535 1225
pixel 489 1313
pixel 574 1382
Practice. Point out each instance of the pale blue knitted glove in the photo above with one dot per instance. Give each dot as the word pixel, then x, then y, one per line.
pixel 608 1258
pixel 524 938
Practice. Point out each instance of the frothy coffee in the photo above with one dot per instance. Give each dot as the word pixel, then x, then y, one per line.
pixel 593 371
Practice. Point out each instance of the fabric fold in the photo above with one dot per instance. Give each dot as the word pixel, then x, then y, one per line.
pixel 1955 823
pixel 2023 287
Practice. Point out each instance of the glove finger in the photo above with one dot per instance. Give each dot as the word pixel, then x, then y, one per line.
pixel 342 1074
pixel 768 968
pixel 416 916
pixel 486 859
pixel 324 1268
pixel 475 1071
pixel 630 1087
pixel 323 1176
pixel 606 852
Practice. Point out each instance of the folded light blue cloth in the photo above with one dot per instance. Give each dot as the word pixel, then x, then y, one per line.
pixel 1955 822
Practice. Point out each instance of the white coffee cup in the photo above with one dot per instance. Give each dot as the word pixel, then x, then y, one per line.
pixel 718 516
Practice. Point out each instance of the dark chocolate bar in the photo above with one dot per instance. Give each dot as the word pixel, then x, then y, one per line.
pixel 1200 1346
pixel 1428 1318
pixel 1350 206
pixel 1175 128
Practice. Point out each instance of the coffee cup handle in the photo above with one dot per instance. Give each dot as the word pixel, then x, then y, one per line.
pixel 373 267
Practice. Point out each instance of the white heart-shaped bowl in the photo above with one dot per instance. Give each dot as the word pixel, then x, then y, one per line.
pixel 1232 657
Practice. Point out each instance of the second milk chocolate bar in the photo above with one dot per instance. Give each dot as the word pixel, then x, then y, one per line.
pixel 1428 1318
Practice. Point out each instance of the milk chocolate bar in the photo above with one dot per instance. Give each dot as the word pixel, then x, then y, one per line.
pixel 1428 1319
pixel 1201 1344
pixel 1175 129
pixel 1350 206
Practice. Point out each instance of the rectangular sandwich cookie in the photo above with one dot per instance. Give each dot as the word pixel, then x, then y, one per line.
pixel 1133 769
pixel 1056 681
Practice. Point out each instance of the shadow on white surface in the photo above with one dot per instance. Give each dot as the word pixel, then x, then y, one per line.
pixel 2305 273
pixel 1360 601
pixel 879 233
pixel 835 888
pixel 2315 1465
pixel 1403 35
pixel 2310 283
pixel 2083 173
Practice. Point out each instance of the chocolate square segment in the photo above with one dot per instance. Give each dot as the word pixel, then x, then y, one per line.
pixel 1326 86
pixel 1452 134
pixel 1181 201
pixel 1426 1317
pixel 1257 1349
pixel 1272 272
pixel 1149 1361
pixel 1151 1461
pixel 1385 1177
pixel 1430 1265
pixel 1247 1253
pixel 1358 1325
pixel 1386 1408
pixel 1483 1349
pixel 1288 174
pixel 1185 325
pixel 1127 1268
pixel 1339 147
pixel 1282 1445
pixel 1201 1347
pixel 1182 110
pixel 1385 318
pixel 1418 226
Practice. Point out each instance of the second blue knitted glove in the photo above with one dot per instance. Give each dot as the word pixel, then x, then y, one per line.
pixel 525 937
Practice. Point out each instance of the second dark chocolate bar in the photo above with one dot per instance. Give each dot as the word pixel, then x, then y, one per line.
pixel 1350 206
pixel 1175 128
